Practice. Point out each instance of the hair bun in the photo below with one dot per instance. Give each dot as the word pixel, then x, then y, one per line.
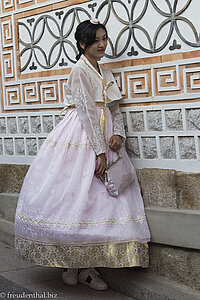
pixel 94 21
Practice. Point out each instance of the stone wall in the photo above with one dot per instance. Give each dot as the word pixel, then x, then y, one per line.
pixel 156 66
pixel 160 188
pixel 178 264
pixel 170 188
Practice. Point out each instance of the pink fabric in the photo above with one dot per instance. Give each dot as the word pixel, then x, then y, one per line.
pixel 61 189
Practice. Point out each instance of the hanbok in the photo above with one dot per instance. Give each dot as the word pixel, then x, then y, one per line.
pixel 65 216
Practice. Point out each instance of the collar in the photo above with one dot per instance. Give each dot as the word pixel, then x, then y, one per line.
pixel 91 66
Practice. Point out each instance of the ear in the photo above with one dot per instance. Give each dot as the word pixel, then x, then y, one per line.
pixel 82 45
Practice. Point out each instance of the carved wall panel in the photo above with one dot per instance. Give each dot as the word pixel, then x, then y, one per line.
pixel 156 65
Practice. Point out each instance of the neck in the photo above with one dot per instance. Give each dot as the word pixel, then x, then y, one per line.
pixel 93 61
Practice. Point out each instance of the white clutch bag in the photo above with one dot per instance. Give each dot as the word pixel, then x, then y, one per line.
pixel 119 175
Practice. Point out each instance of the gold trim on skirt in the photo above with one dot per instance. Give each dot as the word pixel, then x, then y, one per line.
pixel 117 255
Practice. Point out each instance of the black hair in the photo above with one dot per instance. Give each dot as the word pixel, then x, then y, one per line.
pixel 86 33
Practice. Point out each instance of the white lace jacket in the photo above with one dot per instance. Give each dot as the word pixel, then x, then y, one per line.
pixel 84 88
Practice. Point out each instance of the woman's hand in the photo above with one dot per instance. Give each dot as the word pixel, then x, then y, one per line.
pixel 115 143
pixel 101 165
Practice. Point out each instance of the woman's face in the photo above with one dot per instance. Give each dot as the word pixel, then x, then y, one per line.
pixel 97 49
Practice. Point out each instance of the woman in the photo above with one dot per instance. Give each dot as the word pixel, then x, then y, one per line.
pixel 65 216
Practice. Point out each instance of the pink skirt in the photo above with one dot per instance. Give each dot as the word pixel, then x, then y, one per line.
pixel 65 216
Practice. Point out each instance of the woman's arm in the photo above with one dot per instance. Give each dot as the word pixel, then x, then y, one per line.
pixel 82 95
pixel 117 119
pixel 118 127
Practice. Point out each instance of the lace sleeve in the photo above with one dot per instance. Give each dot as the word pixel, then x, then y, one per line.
pixel 117 118
pixel 86 109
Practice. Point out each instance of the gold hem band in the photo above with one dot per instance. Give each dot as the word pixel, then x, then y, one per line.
pixel 120 255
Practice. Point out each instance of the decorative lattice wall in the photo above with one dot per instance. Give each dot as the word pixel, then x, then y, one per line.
pixel 153 50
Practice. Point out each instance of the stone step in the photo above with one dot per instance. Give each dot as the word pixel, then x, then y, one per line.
pixel 56 289
pixel 6 232
pixel 19 279
pixel 144 285
pixel 135 283
pixel 8 204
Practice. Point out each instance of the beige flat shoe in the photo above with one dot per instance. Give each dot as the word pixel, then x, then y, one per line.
pixel 92 278
pixel 70 276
